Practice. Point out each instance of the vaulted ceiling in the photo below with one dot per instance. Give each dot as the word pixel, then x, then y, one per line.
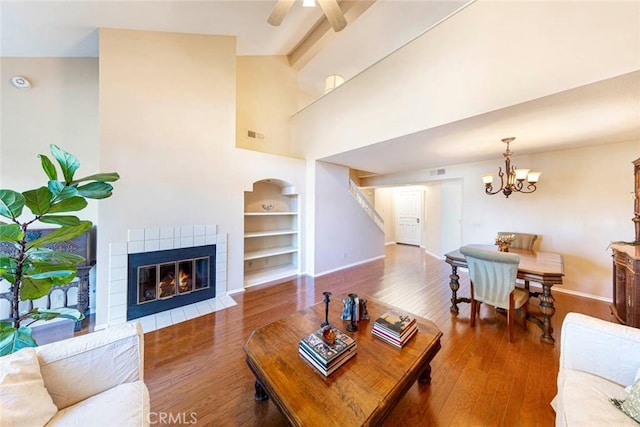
pixel 603 112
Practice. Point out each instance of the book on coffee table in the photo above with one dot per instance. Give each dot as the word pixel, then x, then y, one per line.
pixel 324 356
pixel 395 327
pixel 326 371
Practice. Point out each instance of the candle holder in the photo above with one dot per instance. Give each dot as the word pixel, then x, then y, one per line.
pixel 326 294
pixel 351 326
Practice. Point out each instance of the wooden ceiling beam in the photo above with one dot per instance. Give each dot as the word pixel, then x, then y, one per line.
pixel 321 34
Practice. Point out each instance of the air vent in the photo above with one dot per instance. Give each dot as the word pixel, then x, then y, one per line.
pixel 434 172
pixel 255 135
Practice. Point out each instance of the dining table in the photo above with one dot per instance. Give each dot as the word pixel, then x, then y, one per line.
pixel 543 268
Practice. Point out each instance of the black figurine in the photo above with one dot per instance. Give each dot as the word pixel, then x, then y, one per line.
pixel 326 294
pixel 351 326
pixel 364 314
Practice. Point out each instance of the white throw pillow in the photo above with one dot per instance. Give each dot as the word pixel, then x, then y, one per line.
pixel 24 400
pixel 636 379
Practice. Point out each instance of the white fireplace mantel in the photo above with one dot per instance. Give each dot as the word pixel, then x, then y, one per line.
pixel 164 238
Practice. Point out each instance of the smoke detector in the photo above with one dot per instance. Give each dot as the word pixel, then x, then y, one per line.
pixel 21 82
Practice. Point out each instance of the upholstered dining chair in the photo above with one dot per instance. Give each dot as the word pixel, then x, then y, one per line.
pixel 522 241
pixel 493 281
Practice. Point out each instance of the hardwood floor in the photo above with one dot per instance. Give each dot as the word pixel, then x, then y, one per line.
pixel 197 368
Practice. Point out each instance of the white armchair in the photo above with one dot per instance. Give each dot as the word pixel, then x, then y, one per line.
pixel 598 359
pixel 93 379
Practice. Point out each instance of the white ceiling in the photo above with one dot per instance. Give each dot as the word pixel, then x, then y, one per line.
pixel 600 113
pixel 69 29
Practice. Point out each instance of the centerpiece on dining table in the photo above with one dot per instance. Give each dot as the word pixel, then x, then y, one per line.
pixel 503 241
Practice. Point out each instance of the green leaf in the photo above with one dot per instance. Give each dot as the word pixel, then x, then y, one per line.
pixel 60 192
pixel 50 279
pixel 11 203
pixel 68 162
pixel 48 167
pixel 39 201
pixel 64 312
pixel 32 289
pixel 95 190
pixel 11 278
pixel 62 234
pixel 60 219
pixel 7 261
pixel 46 255
pixel 100 177
pixel 10 233
pixel 76 203
pixel 12 339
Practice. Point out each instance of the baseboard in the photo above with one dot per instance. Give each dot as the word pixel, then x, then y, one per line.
pixel 558 289
pixel 348 266
pixel 434 255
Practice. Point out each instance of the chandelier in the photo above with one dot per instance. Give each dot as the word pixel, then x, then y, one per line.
pixel 512 179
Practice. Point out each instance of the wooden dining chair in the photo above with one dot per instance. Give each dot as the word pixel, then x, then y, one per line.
pixel 493 281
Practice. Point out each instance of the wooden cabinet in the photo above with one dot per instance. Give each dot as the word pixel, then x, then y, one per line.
pixel 271 233
pixel 626 284
pixel 626 268
pixel 636 202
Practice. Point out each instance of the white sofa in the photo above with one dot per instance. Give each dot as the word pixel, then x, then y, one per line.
pixel 598 359
pixel 93 379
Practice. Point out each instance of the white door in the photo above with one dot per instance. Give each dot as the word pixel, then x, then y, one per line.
pixel 409 216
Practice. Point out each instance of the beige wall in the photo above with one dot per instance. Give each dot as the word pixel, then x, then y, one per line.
pixel 267 96
pixel 344 233
pixel 61 108
pixel 167 124
pixel 583 202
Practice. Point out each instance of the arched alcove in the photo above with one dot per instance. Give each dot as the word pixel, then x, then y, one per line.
pixel 271 232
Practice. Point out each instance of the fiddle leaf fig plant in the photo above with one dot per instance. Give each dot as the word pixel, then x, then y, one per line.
pixel 30 268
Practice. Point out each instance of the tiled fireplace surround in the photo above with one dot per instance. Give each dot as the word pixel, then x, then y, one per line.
pixel 164 238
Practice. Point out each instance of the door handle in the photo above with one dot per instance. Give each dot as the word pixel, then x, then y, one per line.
pixel 418 220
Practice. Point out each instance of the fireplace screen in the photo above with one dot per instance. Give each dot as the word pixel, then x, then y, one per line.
pixel 161 281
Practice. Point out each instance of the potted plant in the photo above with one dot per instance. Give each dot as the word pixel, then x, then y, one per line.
pixel 33 269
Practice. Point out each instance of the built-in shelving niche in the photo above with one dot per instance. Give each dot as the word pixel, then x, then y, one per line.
pixel 271 232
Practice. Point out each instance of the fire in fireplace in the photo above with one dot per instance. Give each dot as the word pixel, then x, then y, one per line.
pixel 163 280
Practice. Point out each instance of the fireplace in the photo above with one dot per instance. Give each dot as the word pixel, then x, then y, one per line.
pixel 163 280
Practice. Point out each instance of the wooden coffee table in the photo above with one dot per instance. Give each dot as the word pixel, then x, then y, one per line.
pixel 361 392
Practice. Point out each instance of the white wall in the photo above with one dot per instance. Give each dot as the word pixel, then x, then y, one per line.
pixel 491 55
pixel 442 213
pixel 583 202
pixel 384 206
pixel 344 233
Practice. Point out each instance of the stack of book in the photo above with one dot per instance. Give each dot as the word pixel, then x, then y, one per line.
pixel 395 328
pixel 324 357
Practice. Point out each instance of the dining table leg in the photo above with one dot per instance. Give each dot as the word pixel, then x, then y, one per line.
pixel 454 284
pixel 547 309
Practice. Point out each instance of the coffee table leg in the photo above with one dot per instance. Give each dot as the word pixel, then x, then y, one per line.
pixel 260 393
pixel 425 376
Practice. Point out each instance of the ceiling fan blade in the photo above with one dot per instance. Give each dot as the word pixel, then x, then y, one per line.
pixel 334 14
pixel 279 12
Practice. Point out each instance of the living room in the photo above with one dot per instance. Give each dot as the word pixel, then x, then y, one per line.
pixel 167 111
